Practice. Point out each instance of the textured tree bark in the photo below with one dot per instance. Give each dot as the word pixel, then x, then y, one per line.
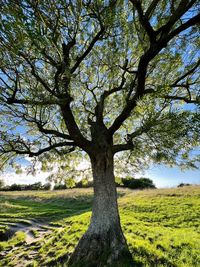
pixel 104 243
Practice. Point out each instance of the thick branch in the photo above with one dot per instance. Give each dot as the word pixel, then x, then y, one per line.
pixel 144 20
pixel 11 100
pixel 151 8
pixel 183 7
pixel 122 147
pixel 185 99
pixel 73 128
pixel 191 22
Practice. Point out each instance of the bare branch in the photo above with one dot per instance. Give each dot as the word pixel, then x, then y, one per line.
pixel 52 132
pixel 140 91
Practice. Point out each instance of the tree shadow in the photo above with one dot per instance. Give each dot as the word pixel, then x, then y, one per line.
pixel 44 210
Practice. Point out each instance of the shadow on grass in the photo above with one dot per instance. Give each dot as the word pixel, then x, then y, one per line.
pixel 43 210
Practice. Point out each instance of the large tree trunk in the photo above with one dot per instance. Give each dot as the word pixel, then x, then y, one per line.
pixel 104 243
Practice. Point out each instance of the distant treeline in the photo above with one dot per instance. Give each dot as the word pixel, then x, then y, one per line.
pixel 141 183
pixel 21 187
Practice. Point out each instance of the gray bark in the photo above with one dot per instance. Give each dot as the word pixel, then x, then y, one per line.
pixel 104 243
pixel 105 211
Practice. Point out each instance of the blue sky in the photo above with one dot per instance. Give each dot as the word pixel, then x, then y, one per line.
pixel 170 177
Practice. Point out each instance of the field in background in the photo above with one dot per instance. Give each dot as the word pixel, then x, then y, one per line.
pixel 162 226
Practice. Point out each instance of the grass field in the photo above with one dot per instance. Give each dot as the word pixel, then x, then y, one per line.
pixel 162 226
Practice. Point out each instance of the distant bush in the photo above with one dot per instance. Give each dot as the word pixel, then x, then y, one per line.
pixel 84 184
pixel 46 186
pixel 182 184
pixel 35 186
pixel 15 187
pixel 140 183
pixel 59 187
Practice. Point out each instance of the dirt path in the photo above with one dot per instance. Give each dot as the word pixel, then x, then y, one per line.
pixel 35 232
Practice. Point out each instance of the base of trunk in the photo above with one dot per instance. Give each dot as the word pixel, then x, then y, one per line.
pixel 101 250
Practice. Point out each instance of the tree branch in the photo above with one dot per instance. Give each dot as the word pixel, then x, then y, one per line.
pixel 154 49
pixel 73 128
pixel 183 7
pixel 151 8
pixel 144 20
pixel 37 76
pixel 12 100
pixel 122 147
pixel 145 128
pixel 87 51
pixel 187 73
pixel 185 99
pixel 191 22
pixel 40 151
pixel 53 132
pixel 140 91
pixel 100 105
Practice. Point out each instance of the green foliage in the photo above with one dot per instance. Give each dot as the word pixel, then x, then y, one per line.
pixel 84 183
pixel 161 226
pixel 70 183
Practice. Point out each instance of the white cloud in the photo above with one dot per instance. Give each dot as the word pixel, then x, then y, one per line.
pixel 24 178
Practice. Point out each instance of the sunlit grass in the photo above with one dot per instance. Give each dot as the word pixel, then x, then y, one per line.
pixel 162 227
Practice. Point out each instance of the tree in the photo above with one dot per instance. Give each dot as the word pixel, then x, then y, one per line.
pixel 100 77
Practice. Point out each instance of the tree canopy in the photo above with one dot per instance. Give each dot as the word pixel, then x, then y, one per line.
pixel 69 68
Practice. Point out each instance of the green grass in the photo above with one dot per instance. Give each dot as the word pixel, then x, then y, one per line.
pixel 162 227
